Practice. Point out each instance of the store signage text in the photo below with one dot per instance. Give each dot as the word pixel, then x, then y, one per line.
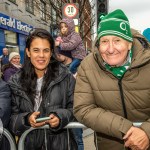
pixel 15 24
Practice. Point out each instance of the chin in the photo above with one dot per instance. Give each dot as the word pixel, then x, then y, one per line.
pixel 113 63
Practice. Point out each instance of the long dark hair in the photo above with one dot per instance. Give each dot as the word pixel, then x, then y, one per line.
pixel 28 77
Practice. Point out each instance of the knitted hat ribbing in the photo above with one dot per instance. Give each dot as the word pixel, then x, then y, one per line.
pixel 115 23
pixel 13 54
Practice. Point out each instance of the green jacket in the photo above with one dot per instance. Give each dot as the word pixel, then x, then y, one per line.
pixel 99 95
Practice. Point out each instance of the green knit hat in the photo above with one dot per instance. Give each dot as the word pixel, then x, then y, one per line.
pixel 115 23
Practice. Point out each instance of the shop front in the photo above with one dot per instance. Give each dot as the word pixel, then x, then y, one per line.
pixel 13 34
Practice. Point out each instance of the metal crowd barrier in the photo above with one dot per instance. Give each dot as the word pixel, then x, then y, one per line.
pixel 23 136
pixel 70 125
pixel 7 134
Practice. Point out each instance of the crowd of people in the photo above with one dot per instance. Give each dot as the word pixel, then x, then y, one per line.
pixel 106 91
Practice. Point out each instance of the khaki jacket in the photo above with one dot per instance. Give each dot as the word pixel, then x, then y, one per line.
pixel 98 96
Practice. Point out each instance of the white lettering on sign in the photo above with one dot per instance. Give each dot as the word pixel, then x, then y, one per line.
pixel 11 22
pixel 7 22
pixel 24 28
pixel 70 10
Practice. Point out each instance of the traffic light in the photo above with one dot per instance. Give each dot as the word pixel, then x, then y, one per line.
pixel 102 9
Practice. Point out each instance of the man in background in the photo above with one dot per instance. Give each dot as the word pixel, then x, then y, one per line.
pixel 4 58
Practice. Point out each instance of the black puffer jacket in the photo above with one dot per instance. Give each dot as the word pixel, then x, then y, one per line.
pixel 58 100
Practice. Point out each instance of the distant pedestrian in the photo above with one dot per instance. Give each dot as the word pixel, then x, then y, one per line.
pixel 13 66
pixel 71 41
pixel 4 58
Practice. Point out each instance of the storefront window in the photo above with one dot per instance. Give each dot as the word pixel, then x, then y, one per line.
pixel 11 41
pixel 10 37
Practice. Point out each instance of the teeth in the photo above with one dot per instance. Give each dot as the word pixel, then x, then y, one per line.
pixel 40 61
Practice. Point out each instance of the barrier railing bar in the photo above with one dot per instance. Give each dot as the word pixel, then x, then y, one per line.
pixel 10 138
pixel 70 125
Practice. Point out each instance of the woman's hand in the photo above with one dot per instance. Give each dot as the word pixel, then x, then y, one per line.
pixel 136 139
pixel 32 120
pixel 54 121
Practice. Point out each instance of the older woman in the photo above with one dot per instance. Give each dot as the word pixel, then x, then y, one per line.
pixel 13 66
pixel 42 88
pixel 113 87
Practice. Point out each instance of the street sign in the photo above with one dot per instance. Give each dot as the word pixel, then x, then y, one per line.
pixel 70 10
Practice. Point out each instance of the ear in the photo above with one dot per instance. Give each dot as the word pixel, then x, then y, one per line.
pixel 130 46
pixel 27 52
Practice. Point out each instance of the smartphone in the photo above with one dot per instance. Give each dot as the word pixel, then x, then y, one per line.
pixel 42 119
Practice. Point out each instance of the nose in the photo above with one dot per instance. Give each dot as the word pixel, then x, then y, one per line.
pixel 41 54
pixel 111 48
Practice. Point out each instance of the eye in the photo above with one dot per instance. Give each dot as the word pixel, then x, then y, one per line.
pixel 35 50
pixel 47 50
pixel 103 41
pixel 116 41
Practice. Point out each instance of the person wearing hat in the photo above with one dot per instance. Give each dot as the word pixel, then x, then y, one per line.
pixel 113 88
pixel 13 66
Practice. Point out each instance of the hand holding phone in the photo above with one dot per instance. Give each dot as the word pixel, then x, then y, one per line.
pixel 42 119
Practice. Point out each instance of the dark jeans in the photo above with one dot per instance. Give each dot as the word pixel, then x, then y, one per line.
pixel 78 137
pixel 74 65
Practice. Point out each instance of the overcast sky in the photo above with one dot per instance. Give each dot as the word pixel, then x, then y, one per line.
pixel 137 11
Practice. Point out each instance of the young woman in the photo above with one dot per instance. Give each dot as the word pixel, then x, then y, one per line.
pixel 43 88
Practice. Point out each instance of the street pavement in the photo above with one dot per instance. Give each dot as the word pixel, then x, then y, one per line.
pixel 88 139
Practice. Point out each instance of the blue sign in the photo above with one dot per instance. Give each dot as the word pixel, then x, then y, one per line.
pixel 15 25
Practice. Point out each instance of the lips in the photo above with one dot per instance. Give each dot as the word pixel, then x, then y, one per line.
pixel 41 61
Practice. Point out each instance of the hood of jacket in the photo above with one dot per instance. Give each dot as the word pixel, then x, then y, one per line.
pixel 70 24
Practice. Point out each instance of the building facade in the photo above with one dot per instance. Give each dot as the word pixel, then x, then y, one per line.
pixel 17 19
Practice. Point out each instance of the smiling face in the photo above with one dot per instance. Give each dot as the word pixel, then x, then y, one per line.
pixel 40 54
pixel 15 60
pixel 114 50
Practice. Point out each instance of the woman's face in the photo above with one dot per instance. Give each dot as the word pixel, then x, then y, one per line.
pixel 63 28
pixel 114 50
pixel 40 54
pixel 15 60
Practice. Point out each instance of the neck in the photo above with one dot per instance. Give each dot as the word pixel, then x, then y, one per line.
pixel 40 73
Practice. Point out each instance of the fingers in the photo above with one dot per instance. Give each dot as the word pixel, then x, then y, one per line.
pixel 128 134
pixel 54 121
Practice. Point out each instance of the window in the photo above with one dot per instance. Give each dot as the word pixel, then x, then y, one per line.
pixel 43 10
pixel 13 1
pixel 10 37
pixel 29 6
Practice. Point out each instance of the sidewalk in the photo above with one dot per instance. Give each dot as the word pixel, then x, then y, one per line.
pixel 88 139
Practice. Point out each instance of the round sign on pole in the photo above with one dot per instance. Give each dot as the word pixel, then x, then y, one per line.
pixel 70 10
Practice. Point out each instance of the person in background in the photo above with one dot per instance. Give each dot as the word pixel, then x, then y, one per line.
pixel 5 111
pixel 113 88
pixel 63 57
pixel 42 88
pixel 66 59
pixel 146 34
pixel 71 41
pixel 4 59
pixel 13 66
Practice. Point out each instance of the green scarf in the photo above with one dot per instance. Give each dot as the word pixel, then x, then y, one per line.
pixel 119 71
